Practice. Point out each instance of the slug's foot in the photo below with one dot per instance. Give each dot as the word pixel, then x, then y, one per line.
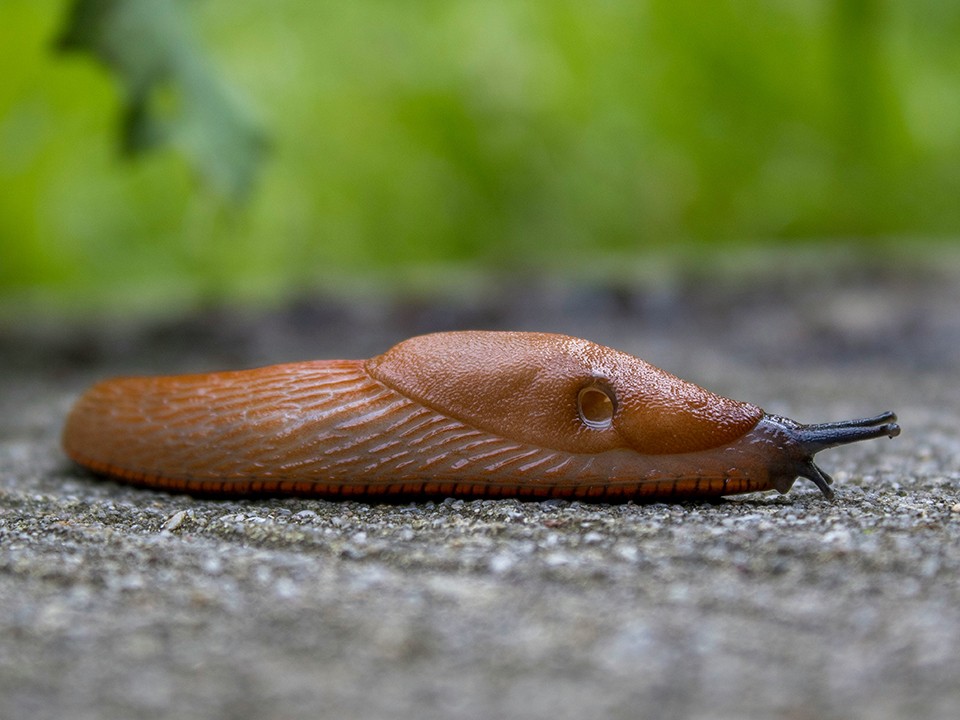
pixel 811 439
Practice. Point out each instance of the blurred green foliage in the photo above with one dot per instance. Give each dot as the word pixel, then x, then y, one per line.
pixel 492 132
pixel 172 97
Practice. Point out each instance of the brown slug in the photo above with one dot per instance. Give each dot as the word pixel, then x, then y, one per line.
pixel 467 414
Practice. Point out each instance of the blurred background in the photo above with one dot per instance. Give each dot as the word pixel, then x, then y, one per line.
pixel 156 156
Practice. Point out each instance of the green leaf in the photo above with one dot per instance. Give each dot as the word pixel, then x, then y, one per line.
pixel 173 96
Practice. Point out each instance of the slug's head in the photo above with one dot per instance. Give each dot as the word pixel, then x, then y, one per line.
pixel 788 446
pixel 560 392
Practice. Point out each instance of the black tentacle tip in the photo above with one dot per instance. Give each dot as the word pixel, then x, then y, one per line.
pixel 811 439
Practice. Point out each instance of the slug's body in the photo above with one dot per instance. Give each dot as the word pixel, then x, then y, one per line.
pixel 470 414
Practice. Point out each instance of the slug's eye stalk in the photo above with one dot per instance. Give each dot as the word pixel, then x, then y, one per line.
pixel 808 440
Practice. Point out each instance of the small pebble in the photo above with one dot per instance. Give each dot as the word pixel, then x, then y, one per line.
pixel 174 521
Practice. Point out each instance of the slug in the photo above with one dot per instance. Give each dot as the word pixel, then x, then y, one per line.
pixel 467 414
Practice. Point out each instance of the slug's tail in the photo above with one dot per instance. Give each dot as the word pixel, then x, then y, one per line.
pixel 811 439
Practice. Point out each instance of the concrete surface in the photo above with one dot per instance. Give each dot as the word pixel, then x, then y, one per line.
pixel 125 603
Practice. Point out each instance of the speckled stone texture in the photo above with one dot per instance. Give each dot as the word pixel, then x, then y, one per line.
pixel 125 603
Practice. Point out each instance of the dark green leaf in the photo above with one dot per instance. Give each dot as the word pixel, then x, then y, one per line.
pixel 173 96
